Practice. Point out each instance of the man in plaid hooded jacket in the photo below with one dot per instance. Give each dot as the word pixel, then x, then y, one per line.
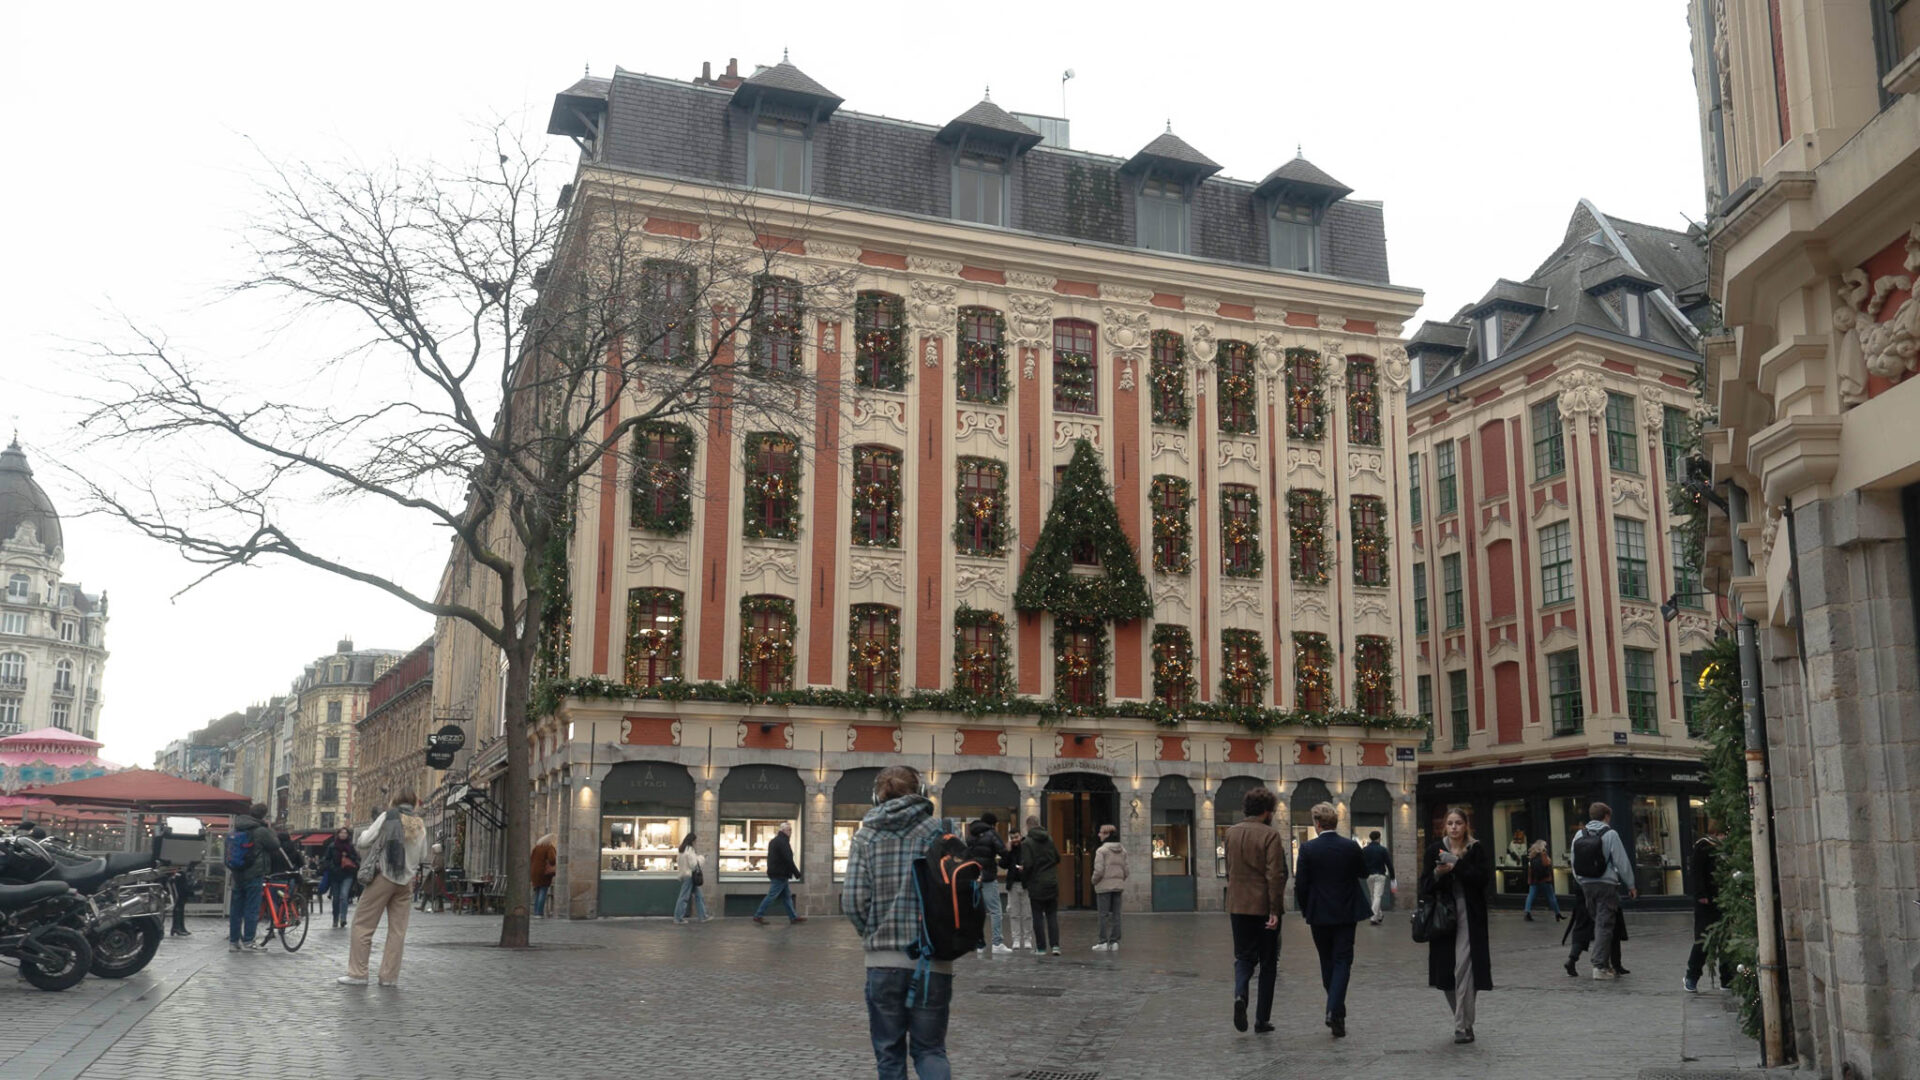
pixel 880 898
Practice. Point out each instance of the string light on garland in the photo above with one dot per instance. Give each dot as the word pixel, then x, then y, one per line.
pixel 1369 540
pixel 1306 397
pixel 777 326
pixel 1079 662
pixel 1167 380
pixel 1172 501
pixel 1246 676
pixel 980 654
pixel 1237 398
pixel 1373 674
pixel 1173 681
pixel 980 366
pixel 1312 670
pixel 873 660
pixel 772 506
pixel 980 512
pixel 1307 536
pixel 1073 381
pixel 879 345
pixel 1240 554
pixel 1363 402
pixel 766 645
pixel 662 475
pixel 876 497
pixel 654 619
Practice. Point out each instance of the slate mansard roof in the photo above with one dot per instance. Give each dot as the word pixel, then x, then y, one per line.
pixel 679 129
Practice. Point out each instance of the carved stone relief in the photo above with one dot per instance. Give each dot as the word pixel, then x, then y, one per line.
pixel 1309 603
pixel 1653 414
pixel 1624 489
pixel 1239 596
pixel 782 562
pixel 833 252
pixel 1200 348
pixel 670 555
pixel 931 309
pixel 1170 590
pixel 1066 431
pixel 1026 279
pixel 1398 370
pixel 990 575
pixel 1231 450
pixel 1634 618
pixel 1369 606
pixel 1888 349
pixel 992 424
pixel 1201 305
pixel 1126 294
pixel 921 264
pixel 1165 444
pixel 1358 463
pixel 1128 335
pixel 1299 458
pixel 883 571
pixel 890 410
pixel 1332 322
pixel 1029 325
pixel 1583 395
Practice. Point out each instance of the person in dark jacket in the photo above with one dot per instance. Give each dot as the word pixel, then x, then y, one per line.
pixel 243 910
pixel 1040 868
pixel 1379 873
pixel 1580 933
pixel 1540 880
pixel 782 872
pixel 1706 907
pixel 341 863
pixel 1018 906
pixel 288 858
pixel 985 846
pixel 1457 871
pixel 1326 889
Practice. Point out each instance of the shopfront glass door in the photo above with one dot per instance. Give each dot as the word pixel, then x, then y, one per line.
pixel 1074 817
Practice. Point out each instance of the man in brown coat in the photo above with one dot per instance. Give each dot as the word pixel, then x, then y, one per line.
pixel 546 863
pixel 1256 896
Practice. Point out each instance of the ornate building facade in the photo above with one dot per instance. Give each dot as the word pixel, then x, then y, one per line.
pixel 1810 117
pixel 1558 623
pixel 1110 528
pixel 53 634
pixel 390 741
pixel 328 701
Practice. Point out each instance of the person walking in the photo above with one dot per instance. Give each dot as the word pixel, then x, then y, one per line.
pixel 545 864
pixel 985 847
pixel 693 875
pixel 1579 933
pixel 256 841
pixel 1458 871
pixel 782 872
pixel 340 861
pixel 1540 880
pixel 1326 890
pixel 1256 898
pixel 1109 883
pixel 1601 866
pixel 1018 906
pixel 1040 866
pixel 395 844
pixel 1706 907
pixel 906 1011
pixel 1379 863
pixel 434 889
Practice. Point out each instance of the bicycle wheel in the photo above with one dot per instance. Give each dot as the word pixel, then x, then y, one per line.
pixel 293 933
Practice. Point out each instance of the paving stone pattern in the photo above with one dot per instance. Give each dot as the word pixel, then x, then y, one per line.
pixel 632 998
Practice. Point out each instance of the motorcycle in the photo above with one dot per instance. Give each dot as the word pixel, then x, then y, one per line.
pixel 127 897
pixel 34 933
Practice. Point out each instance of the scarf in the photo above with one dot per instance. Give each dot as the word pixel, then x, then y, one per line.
pixel 391 845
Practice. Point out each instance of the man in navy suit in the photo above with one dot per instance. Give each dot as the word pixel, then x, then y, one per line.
pixel 1327 888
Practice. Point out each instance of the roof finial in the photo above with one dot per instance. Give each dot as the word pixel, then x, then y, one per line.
pixel 586 69
pixel 783 54
pixel 1298 152
pixel 1169 125
pixel 989 96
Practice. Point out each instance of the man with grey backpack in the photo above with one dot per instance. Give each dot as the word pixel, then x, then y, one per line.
pixel 390 849
pixel 1601 867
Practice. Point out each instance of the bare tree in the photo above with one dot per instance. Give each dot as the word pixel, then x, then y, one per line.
pixel 511 341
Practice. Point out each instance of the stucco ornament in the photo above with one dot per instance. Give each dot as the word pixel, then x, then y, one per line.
pixel 1333 357
pixel 1332 322
pixel 1030 325
pixel 1583 394
pixel 1394 363
pixel 1887 348
pixel 1653 413
pixel 1271 356
pixel 921 264
pixel 1026 279
pixel 931 309
pixel 1126 294
pixel 1128 335
pixel 1200 349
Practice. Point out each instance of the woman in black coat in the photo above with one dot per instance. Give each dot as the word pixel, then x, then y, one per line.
pixel 1457 871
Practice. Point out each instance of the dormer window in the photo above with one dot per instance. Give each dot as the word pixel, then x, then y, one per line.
pixel 1294 237
pixel 1633 307
pixel 777 155
pixel 980 189
pixel 1162 216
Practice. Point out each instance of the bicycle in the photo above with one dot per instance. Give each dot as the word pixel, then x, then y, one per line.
pixel 285 909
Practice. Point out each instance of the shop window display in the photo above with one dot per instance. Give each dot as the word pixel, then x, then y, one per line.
pixel 1228 811
pixel 633 845
pixel 646 812
pixel 1513 833
pixel 1657 862
pixel 852 798
pixel 1301 801
pixel 755 800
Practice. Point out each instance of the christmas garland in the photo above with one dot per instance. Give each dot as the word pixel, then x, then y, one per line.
pixel 651 642
pixel 553 653
pixel 1075 386
pixel 976 356
pixel 1234 531
pixel 980 520
pixel 1373 670
pixel 1171 499
pixel 864 657
pixel 1167 381
pixel 1173 681
pixel 1363 403
pixel 1312 667
pixel 880 341
pixel 1083 513
pixel 668 330
pixel 1238 396
pixel 776 490
pixel 1369 540
pixel 772 648
pixel 673 475
pixel 1305 393
pixel 769 329
pixel 880 496
pixel 1068 665
pixel 1246 667
pixel 991 664
pixel 1307 531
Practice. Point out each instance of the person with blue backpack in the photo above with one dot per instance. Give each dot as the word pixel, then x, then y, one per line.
pixel 250 843
pixel 909 972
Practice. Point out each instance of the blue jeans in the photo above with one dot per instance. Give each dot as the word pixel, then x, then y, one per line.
pixel 899 1029
pixel 782 892
pixel 540 894
pixel 1335 946
pixel 341 886
pixel 1544 888
pixel 688 890
pixel 990 892
pixel 243 912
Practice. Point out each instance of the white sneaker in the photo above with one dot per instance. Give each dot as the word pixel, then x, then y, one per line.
pixel 1113 946
pixel 1602 973
pixel 349 980
pixel 1001 949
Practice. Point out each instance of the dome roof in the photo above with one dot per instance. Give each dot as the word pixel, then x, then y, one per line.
pixel 23 502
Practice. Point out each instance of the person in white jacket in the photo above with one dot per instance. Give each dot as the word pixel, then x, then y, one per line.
pixel 690 862
pixel 1109 879
pixel 390 848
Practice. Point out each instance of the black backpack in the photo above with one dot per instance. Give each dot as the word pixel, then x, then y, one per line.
pixel 953 914
pixel 1590 853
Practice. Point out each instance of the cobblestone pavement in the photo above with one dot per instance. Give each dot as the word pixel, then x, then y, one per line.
pixel 645 998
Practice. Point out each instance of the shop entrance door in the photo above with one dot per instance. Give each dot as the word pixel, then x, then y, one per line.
pixel 1076 805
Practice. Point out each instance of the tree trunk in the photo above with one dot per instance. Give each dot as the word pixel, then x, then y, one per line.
pixel 514 929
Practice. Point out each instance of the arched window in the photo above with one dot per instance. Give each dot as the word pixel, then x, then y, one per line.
pixel 1076 382
pixel 63 676
pixel 19 587
pixel 873 649
pixel 13 669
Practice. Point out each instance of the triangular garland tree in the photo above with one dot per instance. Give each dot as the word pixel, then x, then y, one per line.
pixel 1083 514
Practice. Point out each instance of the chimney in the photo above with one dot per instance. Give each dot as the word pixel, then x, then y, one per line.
pixel 346 645
pixel 706 72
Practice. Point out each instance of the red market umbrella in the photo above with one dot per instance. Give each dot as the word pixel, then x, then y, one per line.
pixel 145 791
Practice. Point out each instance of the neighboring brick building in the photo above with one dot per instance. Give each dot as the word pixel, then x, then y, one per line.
pixel 1810 115
pixel 1026 403
pixel 1544 434
pixel 390 741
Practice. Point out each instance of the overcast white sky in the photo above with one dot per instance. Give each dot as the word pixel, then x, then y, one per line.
pixel 137 132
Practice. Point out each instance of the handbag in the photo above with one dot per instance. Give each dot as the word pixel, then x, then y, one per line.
pixel 1432 918
pixel 699 876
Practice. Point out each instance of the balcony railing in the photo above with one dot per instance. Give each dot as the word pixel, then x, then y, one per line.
pixel 63 693
pixel 13 682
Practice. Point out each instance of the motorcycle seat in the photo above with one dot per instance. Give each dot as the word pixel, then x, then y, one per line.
pixel 13 897
pixel 87 876
pixel 127 862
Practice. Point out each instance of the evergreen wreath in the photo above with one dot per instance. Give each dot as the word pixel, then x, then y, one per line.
pixel 1068 665
pixel 648 641
pixel 980 366
pixel 1363 402
pixel 982 674
pixel 1172 501
pixel 864 657
pixel 1234 531
pixel 1083 514
pixel 878 496
pixel 1246 669
pixel 771 491
pixel 1369 540
pixel 670 476
pixel 1238 397
pixel 1306 397
pixel 1167 380
pixel 1307 531
pixel 1373 672
pixel 1312 667
pixel 1173 681
pixel 758 648
pixel 880 341
pixel 770 328
pixel 980 519
pixel 1074 381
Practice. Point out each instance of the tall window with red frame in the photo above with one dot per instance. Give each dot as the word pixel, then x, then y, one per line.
pixel 1369 540
pixel 653 636
pixel 876 496
pixel 873 649
pixel 776 326
pixel 1312 671
pixel 980 518
pixel 1078 678
pixel 1306 400
pixel 1238 393
pixel 1363 402
pixel 1243 671
pixel 766 639
pixel 879 341
pixel 1307 535
pixel 981 363
pixel 772 488
pixel 662 468
pixel 1239 531
pixel 1373 675
pixel 1172 527
pixel 668 322
pixel 980 662
pixel 1076 382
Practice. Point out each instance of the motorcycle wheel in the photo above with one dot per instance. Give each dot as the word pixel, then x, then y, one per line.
pixel 70 957
pixel 125 949
pixel 294 934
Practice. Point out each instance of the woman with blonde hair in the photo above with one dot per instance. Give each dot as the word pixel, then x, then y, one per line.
pixel 1457 873
pixel 390 849
pixel 1540 880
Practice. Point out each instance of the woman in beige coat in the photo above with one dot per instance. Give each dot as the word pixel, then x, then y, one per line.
pixel 390 849
pixel 1109 880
